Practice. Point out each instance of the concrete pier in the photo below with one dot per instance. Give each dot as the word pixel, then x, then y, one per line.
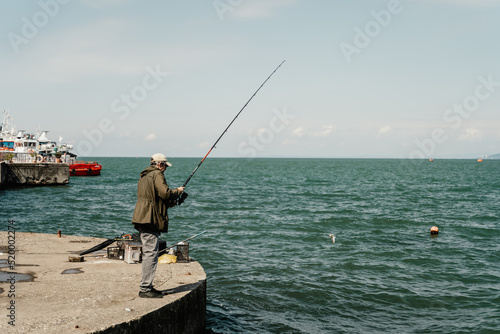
pixel 45 293
pixel 3 173
pixel 33 174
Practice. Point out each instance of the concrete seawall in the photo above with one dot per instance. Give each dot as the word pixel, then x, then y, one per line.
pixel 3 173
pixel 33 174
pixel 52 295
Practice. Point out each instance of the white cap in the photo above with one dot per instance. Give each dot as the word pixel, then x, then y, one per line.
pixel 158 157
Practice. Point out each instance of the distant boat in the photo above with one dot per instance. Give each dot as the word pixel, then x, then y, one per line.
pixel 431 160
pixel 23 147
pixel 84 168
pixel 479 160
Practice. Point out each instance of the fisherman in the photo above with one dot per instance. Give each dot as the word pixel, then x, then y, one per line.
pixel 150 218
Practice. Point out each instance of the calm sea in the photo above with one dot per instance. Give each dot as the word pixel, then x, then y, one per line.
pixel 271 265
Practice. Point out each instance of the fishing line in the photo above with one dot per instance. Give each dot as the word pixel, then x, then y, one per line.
pixel 184 194
pixel 196 235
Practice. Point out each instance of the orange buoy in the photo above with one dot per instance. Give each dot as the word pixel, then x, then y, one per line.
pixel 434 230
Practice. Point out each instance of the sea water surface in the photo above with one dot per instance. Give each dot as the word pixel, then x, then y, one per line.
pixel 270 263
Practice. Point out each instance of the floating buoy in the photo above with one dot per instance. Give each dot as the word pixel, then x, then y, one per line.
pixel 333 237
pixel 434 230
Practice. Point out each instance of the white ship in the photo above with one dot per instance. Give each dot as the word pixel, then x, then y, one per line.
pixel 19 146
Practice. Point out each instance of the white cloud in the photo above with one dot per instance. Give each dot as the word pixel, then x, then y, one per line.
pixel 385 131
pixel 324 132
pixel 151 136
pixel 262 131
pixel 299 132
pixel 471 134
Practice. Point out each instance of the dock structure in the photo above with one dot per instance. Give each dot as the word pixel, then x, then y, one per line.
pixel 43 292
pixel 33 174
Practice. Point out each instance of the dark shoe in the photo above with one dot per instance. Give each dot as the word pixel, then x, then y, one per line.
pixel 158 292
pixel 150 294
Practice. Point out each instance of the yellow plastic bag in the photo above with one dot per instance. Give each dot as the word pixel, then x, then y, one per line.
pixel 167 258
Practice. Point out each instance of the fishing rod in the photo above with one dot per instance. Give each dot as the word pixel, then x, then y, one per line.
pixel 106 244
pixel 184 194
pixel 196 235
pixel 123 237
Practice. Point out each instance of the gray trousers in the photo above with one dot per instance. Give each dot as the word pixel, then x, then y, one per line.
pixel 150 247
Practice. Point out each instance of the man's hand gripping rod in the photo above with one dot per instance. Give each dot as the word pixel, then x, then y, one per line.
pixel 184 194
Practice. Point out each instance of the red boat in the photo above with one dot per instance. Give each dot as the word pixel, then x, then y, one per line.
pixel 84 168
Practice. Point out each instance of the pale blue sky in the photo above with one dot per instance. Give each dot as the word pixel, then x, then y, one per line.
pixel 361 78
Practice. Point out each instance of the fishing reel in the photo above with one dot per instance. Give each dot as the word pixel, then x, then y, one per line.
pixel 174 202
pixel 183 197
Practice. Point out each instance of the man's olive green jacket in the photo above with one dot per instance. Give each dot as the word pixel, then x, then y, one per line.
pixel 153 195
